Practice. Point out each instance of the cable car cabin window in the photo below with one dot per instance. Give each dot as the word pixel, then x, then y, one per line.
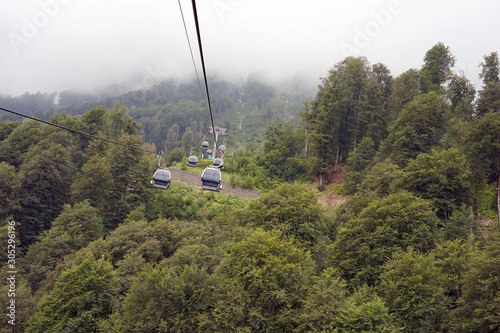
pixel 192 161
pixel 211 179
pixel 218 163
pixel 212 175
pixel 161 179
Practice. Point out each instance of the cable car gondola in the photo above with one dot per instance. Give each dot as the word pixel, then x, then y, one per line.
pixel 192 161
pixel 218 163
pixel 211 179
pixel 161 178
pixel 209 152
pixel 222 149
pixel 204 144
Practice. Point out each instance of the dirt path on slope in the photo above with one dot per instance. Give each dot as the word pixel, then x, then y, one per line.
pixel 194 179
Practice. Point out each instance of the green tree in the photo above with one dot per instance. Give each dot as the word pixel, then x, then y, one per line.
pixel 365 311
pixel 489 96
pixel 348 106
pixel 490 68
pixel 93 182
pixel 482 144
pixel 282 143
pixel 461 93
pixel 130 176
pixel 291 208
pixel 413 287
pixel 417 130
pixel 325 299
pixel 262 283
pixel 13 148
pixel 438 62
pixel 96 119
pixel 384 227
pixel 358 163
pixel 329 308
pixel 164 299
pixel 81 299
pixel 374 118
pixel 6 127
pixel 381 178
pixel 489 99
pixel 72 230
pixel 43 188
pixel 7 182
pixel 404 89
pixel 478 307
pixel 121 122
pixel 175 155
pixel 443 176
pixel 453 257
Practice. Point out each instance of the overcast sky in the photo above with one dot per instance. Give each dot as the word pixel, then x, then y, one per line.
pixel 54 45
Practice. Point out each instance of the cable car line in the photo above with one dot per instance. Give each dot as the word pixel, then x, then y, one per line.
pixel 203 67
pixel 190 49
pixel 75 131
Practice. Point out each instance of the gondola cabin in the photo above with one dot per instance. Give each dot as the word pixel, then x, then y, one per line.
pixel 209 152
pixel 211 179
pixel 204 144
pixel 161 179
pixel 218 163
pixel 222 149
pixel 192 161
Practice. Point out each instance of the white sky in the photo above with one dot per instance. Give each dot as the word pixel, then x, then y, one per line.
pixel 53 45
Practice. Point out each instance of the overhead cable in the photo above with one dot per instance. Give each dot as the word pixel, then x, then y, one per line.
pixel 203 67
pixel 76 131
pixel 190 49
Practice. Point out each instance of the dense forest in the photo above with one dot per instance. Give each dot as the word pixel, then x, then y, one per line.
pixel 89 246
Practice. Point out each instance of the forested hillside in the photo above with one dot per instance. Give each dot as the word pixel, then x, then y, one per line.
pixel 174 114
pixel 90 246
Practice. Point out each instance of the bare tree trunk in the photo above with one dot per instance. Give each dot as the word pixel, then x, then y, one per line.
pixel 337 160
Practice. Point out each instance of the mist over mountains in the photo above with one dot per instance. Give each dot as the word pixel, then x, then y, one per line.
pixel 131 93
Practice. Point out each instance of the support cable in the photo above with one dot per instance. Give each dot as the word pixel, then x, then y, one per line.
pixel 203 67
pixel 191 49
pixel 75 131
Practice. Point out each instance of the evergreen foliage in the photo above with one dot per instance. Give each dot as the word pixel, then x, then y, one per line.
pixel 386 226
pixel 80 300
pixel 412 286
pixel 418 129
pixel 293 209
pixel 264 279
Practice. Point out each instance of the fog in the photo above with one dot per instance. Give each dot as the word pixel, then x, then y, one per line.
pixel 55 45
